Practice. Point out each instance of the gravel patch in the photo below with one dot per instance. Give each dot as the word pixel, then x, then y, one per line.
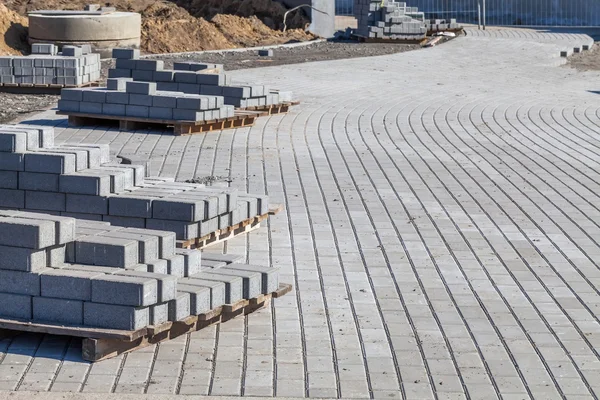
pixel 321 51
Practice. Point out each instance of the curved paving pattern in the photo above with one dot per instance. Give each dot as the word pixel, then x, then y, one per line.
pixel 441 231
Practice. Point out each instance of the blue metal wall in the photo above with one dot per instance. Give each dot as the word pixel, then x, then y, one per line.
pixel 517 12
pixel 345 7
pixel 507 12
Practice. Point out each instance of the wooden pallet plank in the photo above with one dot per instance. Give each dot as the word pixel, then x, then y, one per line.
pixel 63 330
pixel 102 349
pixel 283 290
pixel 179 127
pixel 101 344
pixel 275 209
pixel 270 109
pixel 216 238
pixel 211 315
pixel 221 235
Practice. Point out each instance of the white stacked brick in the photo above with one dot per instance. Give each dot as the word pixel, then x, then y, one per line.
pixel 144 89
pixel 79 180
pixel 441 25
pixel 193 78
pixel 74 66
pixel 389 20
pixel 106 285
pixel 125 97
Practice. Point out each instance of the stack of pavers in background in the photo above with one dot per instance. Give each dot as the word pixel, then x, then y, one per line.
pixel 442 25
pixel 74 66
pixel 81 181
pixel 194 78
pixel 142 100
pixel 389 20
pixel 64 271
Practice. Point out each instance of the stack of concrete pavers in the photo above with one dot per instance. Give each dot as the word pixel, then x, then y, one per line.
pixel 79 180
pixel 193 78
pixel 65 271
pixel 441 25
pixel 75 65
pixel 143 100
pixel 389 20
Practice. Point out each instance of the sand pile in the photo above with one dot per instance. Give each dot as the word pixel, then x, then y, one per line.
pixel 179 26
pixel 13 32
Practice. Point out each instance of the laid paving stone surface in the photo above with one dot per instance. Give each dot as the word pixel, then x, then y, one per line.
pixel 440 230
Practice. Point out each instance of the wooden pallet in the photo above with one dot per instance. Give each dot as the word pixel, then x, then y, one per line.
pixel 364 39
pixel 30 88
pixel 101 344
pixel 273 109
pixel 240 119
pixel 222 235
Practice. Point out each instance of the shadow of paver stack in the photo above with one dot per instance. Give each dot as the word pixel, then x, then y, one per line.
pixel 144 89
pixel 80 180
pixel 64 271
pixel 75 65
pixel 389 20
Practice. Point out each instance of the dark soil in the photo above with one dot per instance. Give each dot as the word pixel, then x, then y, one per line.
pixel 15 107
pixel 281 56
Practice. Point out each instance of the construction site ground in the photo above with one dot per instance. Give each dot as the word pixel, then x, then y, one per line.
pixel 321 51
pixel 15 107
pixel 440 231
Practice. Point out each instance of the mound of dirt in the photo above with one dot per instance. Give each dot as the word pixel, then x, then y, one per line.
pixel 185 25
pixel 268 11
pixel 167 28
pixel 13 32
pixel 251 31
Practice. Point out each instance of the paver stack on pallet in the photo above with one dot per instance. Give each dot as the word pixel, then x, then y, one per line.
pixel 80 180
pixel 82 278
pixel 74 66
pixel 389 20
pixel 142 100
pixel 195 78
pixel 191 93
pixel 442 25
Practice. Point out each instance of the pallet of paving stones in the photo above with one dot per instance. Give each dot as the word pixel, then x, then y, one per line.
pixel 119 288
pixel 101 344
pixel 47 70
pixel 389 20
pixel 193 78
pixel 230 232
pixel 191 98
pixel 82 181
pixel 272 109
pixel 241 118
